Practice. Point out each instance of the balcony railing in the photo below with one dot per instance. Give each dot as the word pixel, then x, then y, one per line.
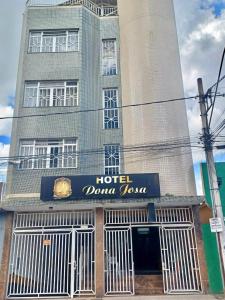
pixel 101 11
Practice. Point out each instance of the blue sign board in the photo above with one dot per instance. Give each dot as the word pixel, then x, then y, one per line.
pixel 124 186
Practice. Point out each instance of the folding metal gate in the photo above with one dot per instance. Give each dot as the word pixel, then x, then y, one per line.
pixel 51 258
pixel 119 266
pixel 180 266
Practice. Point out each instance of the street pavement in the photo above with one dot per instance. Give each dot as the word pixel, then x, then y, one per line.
pixel 166 297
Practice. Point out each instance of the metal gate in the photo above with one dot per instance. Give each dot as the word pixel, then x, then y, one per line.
pixel 51 258
pixel 180 266
pixel 119 266
pixel 83 260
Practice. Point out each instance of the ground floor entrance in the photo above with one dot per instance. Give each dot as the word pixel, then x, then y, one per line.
pixel 54 254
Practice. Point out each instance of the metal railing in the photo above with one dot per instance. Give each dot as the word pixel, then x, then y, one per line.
pixel 140 216
pixel 101 11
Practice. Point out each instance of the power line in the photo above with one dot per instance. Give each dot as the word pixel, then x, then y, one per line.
pixel 99 109
pixel 161 146
pixel 217 84
pixel 129 160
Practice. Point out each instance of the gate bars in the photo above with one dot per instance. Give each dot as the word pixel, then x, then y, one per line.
pixel 52 255
pixel 39 264
pixel 180 266
pixel 84 262
pixel 119 266
pixel 179 255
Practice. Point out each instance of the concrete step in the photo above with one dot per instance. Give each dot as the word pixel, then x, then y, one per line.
pixel 148 285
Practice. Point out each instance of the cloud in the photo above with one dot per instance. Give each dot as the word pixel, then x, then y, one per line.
pixel 6 125
pixel 10 32
pixel 201 34
pixel 4 152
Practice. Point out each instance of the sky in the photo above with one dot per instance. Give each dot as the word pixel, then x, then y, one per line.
pixel 201 36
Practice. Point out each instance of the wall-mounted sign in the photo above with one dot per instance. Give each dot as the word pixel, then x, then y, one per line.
pixel 100 187
pixel 215 224
pixel 47 242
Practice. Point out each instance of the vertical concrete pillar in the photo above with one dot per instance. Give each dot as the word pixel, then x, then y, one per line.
pixel 201 253
pixel 150 71
pixel 99 254
pixel 5 255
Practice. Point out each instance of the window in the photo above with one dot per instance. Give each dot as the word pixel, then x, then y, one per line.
pixel 109 57
pixel 110 99
pixel 53 41
pixel 44 94
pixel 48 154
pixel 112 159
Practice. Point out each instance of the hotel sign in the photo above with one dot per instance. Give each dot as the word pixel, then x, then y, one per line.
pixel 100 187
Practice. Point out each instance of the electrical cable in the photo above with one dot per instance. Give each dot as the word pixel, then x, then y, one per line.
pixel 98 109
pixel 217 84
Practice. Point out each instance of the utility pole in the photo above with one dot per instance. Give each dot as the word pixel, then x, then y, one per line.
pixel 213 183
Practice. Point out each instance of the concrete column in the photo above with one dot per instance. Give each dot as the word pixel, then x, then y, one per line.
pixel 99 254
pixel 5 255
pixel 150 72
pixel 201 253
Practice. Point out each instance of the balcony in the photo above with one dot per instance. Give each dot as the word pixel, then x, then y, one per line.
pixel 101 9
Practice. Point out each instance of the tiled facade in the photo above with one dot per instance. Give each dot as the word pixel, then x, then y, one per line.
pixel 146 72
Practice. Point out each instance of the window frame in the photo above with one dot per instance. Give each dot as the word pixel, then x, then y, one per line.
pixel 48 144
pixel 52 86
pixel 54 34
pixel 112 166
pixel 102 57
pixel 111 109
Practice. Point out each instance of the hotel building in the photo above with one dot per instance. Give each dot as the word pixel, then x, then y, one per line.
pixel 100 196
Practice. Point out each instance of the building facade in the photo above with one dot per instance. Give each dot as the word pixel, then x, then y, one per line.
pixel 100 182
pixel 209 238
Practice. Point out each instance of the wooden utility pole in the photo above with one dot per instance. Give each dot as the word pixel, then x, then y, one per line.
pixel 213 182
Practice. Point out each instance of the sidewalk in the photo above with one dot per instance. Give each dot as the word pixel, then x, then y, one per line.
pixel 166 297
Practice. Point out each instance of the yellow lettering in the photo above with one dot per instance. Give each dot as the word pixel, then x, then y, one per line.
pixel 123 179
pixel 99 180
pixel 129 180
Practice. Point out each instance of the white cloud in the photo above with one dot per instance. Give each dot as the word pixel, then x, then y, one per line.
pixel 201 38
pixel 5 125
pixel 4 152
pixel 10 32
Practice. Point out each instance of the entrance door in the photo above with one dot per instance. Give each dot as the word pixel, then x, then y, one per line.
pixel 180 264
pixel 83 261
pixel 119 266
pixel 146 249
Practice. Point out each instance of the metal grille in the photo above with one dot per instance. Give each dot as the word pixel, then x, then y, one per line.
pixel 140 215
pixel 39 264
pixel 84 263
pixel 180 265
pixel 174 215
pixel 99 11
pixel 119 267
pixel 52 254
pixel 56 219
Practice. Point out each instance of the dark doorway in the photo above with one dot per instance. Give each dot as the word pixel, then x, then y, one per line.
pixel 146 251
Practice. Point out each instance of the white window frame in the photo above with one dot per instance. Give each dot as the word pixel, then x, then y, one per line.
pixel 110 109
pixel 52 86
pixel 54 34
pixel 111 167
pixel 115 58
pixel 32 161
